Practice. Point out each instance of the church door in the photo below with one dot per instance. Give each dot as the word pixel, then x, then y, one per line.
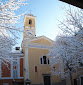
pixel 81 80
pixel 47 80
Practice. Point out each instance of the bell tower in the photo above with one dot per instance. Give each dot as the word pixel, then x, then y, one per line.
pixel 29 26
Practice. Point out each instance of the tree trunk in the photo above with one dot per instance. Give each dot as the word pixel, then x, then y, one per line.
pixel 70 69
pixel 71 77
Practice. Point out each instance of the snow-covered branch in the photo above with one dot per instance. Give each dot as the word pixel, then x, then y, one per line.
pixel 8 30
pixel 8 17
pixel 68 48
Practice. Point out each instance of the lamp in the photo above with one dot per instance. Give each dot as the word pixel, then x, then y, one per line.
pixel 27 82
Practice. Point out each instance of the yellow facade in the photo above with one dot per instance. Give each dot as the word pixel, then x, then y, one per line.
pixel 34 49
pixel 34 60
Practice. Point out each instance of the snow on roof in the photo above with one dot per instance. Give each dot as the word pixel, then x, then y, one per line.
pixel 17 53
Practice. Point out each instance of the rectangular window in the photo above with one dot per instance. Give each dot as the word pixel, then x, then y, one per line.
pixel 15 69
pixel 44 60
pixel 41 61
pixel 48 61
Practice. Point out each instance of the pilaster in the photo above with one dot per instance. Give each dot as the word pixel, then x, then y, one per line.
pixel 11 67
pixel 18 61
pixel 26 64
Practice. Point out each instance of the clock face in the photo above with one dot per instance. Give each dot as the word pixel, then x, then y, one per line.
pixel 30 33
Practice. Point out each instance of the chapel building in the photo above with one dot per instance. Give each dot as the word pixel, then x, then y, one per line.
pixel 37 69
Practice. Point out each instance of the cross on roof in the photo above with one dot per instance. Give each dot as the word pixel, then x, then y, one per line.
pixel 30 11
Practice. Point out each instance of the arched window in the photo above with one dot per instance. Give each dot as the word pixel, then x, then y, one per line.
pixel 44 60
pixel 30 21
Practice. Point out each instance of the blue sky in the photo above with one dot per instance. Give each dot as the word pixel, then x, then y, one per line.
pixel 48 12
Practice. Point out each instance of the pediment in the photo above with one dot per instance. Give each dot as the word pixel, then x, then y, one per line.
pixel 42 40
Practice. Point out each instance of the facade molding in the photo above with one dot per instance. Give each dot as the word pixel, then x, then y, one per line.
pixel 38 46
pixel 10 78
pixel 17 54
pixel 30 27
pixel 30 16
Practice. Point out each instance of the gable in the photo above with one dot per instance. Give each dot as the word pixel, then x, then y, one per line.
pixel 43 41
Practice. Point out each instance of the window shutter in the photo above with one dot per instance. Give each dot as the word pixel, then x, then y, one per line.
pixel 35 68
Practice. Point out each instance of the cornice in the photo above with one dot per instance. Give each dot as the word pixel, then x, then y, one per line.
pixel 17 54
pixel 36 45
pixel 36 38
pixel 29 27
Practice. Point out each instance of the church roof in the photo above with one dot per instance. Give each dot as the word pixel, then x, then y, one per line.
pixel 42 41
